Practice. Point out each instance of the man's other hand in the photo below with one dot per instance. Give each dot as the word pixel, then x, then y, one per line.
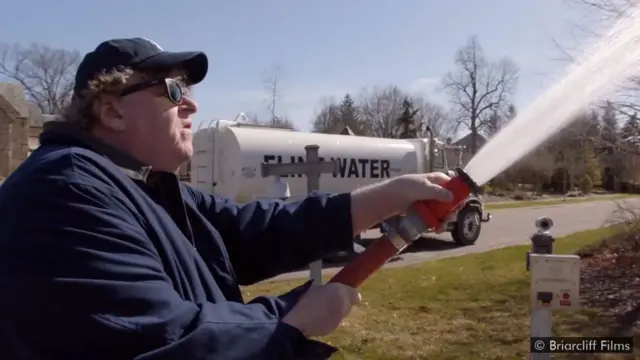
pixel 321 310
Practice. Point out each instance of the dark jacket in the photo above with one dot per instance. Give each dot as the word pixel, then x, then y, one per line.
pixel 101 258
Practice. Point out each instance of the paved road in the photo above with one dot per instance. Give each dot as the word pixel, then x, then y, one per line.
pixel 507 227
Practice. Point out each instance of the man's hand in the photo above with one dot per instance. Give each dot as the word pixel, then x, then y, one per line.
pixel 415 187
pixel 321 310
pixel 378 202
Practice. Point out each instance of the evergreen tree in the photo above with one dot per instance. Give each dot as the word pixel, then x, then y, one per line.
pixel 493 125
pixel 609 133
pixel 593 127
pixel 407 121
pixel 349 115
pixel 609 142
pixel 512 112
pixel 630 131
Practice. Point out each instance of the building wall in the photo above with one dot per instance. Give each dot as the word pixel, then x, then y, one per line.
pixel 20 125
pixel 14 128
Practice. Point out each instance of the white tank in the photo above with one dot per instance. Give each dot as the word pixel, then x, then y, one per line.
pixel 227 159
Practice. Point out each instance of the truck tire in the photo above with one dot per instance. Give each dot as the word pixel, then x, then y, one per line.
pixel 467 227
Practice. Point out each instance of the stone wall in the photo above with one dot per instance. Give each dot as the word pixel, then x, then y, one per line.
pixel 20 125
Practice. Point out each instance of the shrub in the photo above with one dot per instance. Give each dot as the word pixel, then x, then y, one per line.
pixel 586 185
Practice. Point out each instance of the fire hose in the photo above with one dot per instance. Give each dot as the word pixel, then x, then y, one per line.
pixel 402 230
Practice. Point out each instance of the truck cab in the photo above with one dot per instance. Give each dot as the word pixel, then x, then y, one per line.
pixel 465 223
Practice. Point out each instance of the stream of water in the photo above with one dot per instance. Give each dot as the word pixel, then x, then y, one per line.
pixel 613 59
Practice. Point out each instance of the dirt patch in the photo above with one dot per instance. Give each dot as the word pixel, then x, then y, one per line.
pixel 610 280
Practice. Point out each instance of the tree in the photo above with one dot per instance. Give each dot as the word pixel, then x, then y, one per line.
pixel 432 116
pixel 536 168
pixel 253 118
pixel 596 18
pixel 47 74
pixel 609 135
pixel 407 120
pixel 493 126
pixel 375 112
pixel 498 120
pixel 381 107
pixel 479 88
pixel 273 83
pixel 349 115
pixel 283 122
pixel 328 119
pixel 630 132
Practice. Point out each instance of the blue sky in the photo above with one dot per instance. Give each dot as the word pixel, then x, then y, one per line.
pixel 326 48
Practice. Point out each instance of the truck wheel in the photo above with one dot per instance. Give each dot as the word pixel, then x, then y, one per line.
pixel 467 228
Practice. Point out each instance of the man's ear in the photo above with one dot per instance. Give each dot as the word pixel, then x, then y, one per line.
pixel 109 111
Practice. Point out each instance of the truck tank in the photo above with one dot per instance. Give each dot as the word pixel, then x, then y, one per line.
pixel 227 158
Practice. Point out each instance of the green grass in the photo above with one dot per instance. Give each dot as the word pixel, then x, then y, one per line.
pixel 519 204
pixel 468 307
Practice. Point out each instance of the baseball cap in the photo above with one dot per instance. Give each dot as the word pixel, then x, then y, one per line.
pixel 138 54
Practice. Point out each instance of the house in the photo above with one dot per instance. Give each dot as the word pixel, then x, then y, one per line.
pixel 36 122
pixel 14 128
pixel 20 126
pixel 452 157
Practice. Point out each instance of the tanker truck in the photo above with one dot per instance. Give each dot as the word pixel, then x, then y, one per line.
pixel 228 156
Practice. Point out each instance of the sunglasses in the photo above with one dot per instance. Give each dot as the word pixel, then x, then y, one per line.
pixel 174 90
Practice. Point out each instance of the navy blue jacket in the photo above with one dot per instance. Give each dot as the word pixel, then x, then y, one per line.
pixel 102 258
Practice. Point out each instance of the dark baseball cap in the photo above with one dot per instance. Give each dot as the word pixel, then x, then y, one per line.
pixel 138 54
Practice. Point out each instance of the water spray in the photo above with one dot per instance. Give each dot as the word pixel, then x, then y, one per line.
pixel 613 59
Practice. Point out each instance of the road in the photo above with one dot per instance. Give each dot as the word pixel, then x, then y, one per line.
pixel 507 227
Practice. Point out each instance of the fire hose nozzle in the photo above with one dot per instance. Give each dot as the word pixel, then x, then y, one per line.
pixel 434 213
pixel 430 213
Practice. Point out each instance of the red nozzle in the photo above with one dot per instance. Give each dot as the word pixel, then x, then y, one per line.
pixel 433 212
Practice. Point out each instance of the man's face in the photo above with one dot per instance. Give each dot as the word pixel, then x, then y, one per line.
pixel 156 130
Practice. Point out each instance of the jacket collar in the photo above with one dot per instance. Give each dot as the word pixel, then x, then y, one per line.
pixel 61 132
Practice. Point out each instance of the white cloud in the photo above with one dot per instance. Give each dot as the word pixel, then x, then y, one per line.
pixel 424 85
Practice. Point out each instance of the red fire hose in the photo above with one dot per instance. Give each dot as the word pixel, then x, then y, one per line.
pixel 423 215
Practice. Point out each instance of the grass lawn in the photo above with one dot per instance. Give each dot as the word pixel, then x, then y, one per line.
pixel 518 204
pixel 469 307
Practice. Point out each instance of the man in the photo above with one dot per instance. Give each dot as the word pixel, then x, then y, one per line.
pixel 104 254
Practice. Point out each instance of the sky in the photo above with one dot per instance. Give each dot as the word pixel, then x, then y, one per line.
pixel 325 48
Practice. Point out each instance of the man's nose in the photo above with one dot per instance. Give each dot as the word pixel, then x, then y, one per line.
pixel 189 104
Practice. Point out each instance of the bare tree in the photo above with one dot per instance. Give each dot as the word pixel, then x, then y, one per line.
pixel 378 111
pixel 252 118
pixel 281 122
pixel 273 82
pixel 327 118
pixel 598 15
pixel 434 116
pixel 380 108
pixel 47 74
pixel 479 88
